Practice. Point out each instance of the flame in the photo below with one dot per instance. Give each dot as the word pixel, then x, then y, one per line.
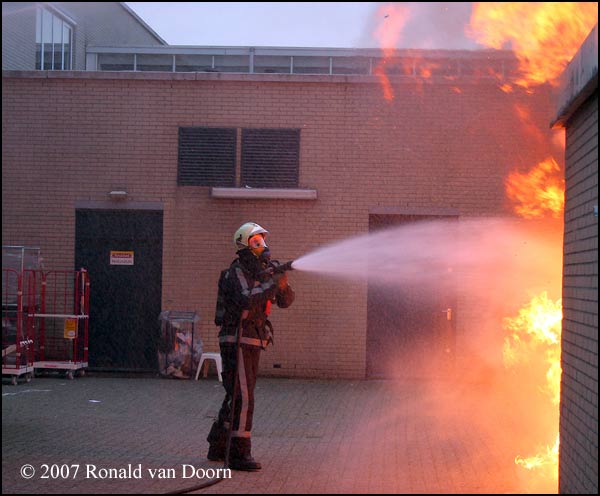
pixel 538 325
pixel 543 35
pixel 388 32
pixel 535 335
pixel 388 91
pixel 540 192
pixel 549 459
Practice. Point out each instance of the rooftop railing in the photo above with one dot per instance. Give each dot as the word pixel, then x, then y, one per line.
pixel 316 61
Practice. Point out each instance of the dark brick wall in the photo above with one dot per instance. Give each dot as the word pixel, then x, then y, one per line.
pixel 579 388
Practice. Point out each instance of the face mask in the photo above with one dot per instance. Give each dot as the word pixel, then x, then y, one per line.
pixel 257 245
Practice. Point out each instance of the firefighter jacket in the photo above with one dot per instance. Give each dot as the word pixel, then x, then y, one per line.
pixel 244 286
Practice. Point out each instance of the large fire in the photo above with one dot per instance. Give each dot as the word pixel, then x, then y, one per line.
pixel 543 35
pixel 538 193
pixel 535 336
pixel 535 333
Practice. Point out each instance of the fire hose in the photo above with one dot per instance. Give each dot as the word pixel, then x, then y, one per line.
pixel 273 269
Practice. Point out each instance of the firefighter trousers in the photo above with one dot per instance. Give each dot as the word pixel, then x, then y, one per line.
pixel 248 357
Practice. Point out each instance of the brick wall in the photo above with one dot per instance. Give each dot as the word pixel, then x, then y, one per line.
pixel 579 388
pixel 439 144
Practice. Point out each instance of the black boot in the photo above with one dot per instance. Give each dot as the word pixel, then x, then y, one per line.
pixel 217 437
pixel 215 454
pixel 240 457
pixel 246 463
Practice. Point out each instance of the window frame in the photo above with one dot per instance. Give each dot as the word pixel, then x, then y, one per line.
pixel 65 45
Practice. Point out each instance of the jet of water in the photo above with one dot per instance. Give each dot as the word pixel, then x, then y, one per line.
pixel 415 253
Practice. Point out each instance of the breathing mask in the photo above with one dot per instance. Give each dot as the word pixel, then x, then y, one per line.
pixel 258 246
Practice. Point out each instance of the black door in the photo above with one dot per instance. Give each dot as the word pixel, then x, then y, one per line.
pixel 410 328
pixel 122 250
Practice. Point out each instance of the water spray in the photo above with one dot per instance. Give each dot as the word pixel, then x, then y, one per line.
pixel 505 252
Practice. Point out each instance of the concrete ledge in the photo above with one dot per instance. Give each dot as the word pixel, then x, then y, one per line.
pixel 579 80
pixel 264 193
pixel 436 211
pixel 118 205
pixel 254 77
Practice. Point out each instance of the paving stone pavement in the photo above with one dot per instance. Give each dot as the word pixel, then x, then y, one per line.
pixel 312 436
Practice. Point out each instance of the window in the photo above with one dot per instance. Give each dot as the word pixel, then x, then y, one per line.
pixel 272 64
pixel 193 63
pixel 206 156
pixel 351 65
pixel 270 158
pixel 149 62
pixel 232 63
pixel 53 38
pixel 311 65
pixel 116 61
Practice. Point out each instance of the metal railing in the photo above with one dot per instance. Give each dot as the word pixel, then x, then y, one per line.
pixel 313 61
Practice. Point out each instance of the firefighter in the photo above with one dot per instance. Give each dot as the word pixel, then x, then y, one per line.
pixel 246 290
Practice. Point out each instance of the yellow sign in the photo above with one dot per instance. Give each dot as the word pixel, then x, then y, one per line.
pixel 70 328
pixel 121 257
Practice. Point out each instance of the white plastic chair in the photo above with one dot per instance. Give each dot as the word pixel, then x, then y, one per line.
pixel 210 356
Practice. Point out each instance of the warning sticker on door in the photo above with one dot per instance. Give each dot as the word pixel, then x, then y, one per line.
pixel 121 257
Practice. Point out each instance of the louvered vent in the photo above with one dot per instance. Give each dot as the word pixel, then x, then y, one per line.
pixel 270 158
pixel 206 156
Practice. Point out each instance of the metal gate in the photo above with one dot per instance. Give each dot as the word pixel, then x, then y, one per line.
pixel 17 342
pixel 57 304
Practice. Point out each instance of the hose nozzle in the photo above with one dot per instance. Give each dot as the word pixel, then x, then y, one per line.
pixel 280 269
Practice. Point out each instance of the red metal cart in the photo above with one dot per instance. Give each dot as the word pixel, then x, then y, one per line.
pixel 17 342
pixel 58 303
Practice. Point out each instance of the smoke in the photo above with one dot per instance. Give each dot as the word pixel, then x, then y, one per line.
pixel 495 266
pixel 430 25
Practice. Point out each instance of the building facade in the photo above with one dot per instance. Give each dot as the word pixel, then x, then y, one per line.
pixel 115 142
pixel 578 114
pixel 57 35
pixel 440 148
pixel 162 152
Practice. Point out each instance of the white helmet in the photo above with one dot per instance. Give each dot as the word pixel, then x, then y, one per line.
pixel 245 232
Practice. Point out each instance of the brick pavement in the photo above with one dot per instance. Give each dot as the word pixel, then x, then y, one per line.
pixel 312 436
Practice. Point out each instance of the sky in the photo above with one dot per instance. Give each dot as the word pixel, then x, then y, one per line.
pixel 304 24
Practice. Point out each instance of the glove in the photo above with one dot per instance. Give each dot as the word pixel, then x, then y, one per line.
pixel 281 280
pixel 270 333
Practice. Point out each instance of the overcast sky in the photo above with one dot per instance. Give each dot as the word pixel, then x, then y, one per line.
pixel 303 24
